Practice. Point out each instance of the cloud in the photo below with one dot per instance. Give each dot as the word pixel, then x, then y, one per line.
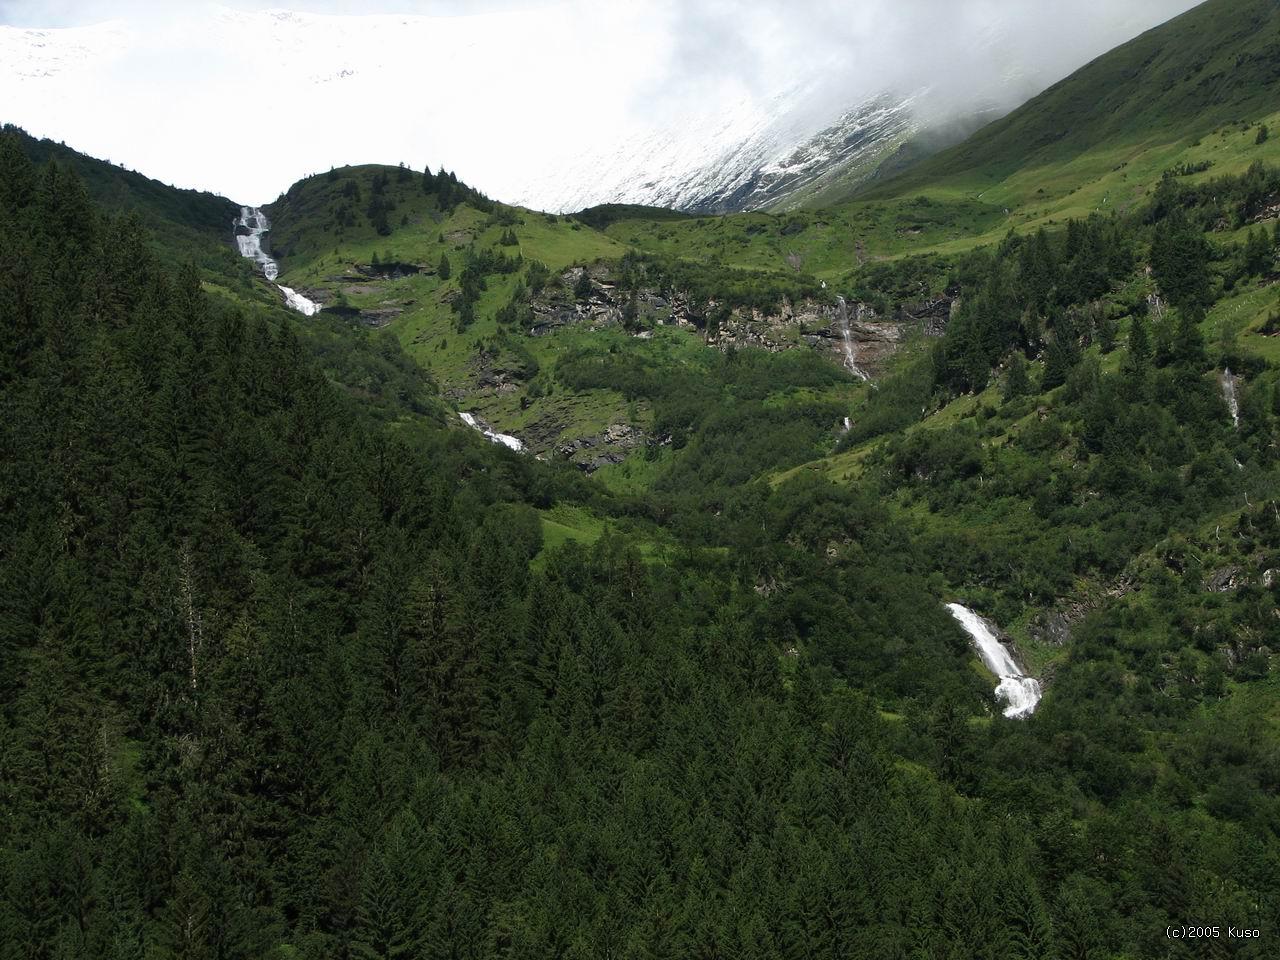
pixel 245 98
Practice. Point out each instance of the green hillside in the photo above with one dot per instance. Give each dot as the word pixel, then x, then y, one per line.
pixel 1191 95
pixel 1214 67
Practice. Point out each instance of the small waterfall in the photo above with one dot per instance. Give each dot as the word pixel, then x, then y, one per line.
pixel 512 443
pixel 1229 394
pixel 850 355
pixel 1020 692
pixel 255 224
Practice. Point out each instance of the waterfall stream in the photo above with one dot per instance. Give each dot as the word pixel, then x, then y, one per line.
pixel 513 443
pixel 255 222
pixel 850 354
pixel 1020 692
pixel 1229 394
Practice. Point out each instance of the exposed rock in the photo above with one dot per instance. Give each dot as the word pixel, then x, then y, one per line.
pixel 1054 627
pixel 817 325
pixel 612 446
pixel 1225 580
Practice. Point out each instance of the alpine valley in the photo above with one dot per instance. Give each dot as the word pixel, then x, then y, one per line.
pixel 858 538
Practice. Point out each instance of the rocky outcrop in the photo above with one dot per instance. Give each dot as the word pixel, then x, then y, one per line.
pixel 612 446
pixel 1054 627
pixel 808 323
pixel 816 325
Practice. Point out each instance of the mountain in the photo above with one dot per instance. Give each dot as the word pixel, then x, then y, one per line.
pixel 1215 65
pixel 741 160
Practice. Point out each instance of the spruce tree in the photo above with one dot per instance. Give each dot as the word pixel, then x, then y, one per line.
pixel 1016 383
pixel 1180 260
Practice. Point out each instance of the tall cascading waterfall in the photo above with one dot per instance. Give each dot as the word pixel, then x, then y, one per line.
pixel 1020 692
pixel 850 355
pixel 255 225
pixel 1230 395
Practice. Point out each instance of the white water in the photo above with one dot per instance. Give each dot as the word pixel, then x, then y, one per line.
pixel 1021 692
pixel 850 355
pixel 1228 380
pixel 505 439
pixel 250 244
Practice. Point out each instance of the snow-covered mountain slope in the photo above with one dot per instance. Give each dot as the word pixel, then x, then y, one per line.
pixel 848 151
pixel 747 161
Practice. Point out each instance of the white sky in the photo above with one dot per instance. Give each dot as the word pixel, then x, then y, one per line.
pixel 244 99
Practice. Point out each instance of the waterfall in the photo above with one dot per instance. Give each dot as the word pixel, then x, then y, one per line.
pixel 1228 381
pixel 850 355
pixel 512 443
pixel 255 222
pixel 1022 693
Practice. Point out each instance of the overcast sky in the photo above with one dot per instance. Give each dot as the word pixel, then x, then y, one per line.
pixel 244 98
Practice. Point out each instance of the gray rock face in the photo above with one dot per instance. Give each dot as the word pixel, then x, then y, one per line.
pixel 1054 627
pixel 1225 580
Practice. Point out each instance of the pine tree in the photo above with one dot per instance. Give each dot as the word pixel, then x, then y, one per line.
pixel 444 271
pixel 1017 383
pixel 1259 255
pixel 1188 343
pixel 395 895
pixel 1180 258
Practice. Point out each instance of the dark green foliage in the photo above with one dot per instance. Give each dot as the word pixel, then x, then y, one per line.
pixel 1180 260
pixel 444 271
pixel 736 289
pixel 1263 134
pixel 1259 253
pixel 286 669
pixel 1016 382
pixel 537 275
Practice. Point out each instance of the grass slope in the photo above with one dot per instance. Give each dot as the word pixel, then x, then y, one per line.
pixel 1215 64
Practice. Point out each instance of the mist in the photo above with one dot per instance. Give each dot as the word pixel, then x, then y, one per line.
pixel 243 99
